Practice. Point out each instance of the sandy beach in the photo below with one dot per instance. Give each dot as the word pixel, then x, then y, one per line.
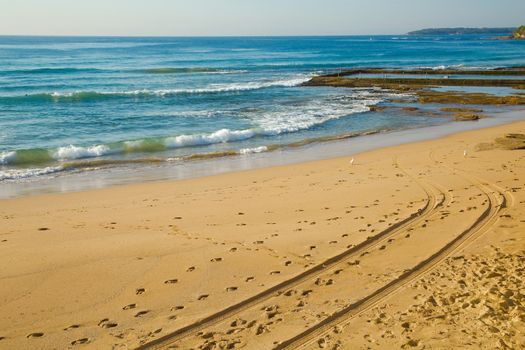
pixel 414 246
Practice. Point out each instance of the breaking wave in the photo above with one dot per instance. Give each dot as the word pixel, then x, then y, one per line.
pixel 284 120
pixel 169 70
pixel 79 96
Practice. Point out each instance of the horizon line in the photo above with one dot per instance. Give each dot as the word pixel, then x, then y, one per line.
pixel 192 36
pixel 231 35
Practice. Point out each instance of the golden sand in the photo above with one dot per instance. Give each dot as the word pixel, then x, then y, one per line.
pixel 416 246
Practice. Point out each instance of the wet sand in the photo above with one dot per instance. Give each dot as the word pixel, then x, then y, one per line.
pixel 418 245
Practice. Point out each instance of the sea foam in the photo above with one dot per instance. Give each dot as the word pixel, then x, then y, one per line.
pixel 7 157
pixel 259 149
pixel 76 152
pixel 18 174
pixel 220 136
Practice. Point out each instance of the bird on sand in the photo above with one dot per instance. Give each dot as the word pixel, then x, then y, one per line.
pixel 465 153
pixel 352 161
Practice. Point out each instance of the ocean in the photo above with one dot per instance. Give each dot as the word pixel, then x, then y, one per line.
pixel 71 105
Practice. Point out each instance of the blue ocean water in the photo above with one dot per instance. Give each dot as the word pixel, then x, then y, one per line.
pixel 81 102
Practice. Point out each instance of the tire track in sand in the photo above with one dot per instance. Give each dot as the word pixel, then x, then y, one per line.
pixel 434 201
pixel 498 200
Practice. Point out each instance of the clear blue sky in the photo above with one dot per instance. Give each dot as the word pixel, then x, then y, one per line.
pixel 250 17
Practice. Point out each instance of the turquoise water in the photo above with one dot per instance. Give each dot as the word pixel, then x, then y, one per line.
pixel 78 103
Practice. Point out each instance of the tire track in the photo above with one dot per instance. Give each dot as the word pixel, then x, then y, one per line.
pixel 497 200
pixel 436 198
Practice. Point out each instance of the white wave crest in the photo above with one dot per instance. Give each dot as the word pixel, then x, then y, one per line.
pixel 229 71
pixel 18 174
pixel 460 66
pixel 220 136
pixel 7 157
pixel 253 150
pixel 216 88
pixel 75 152
pixel 212 88
pixel 57 94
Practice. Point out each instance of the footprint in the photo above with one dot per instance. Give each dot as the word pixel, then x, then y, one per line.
pixel 35 335
pixel 288 263
pixel 232 250
pixel 140 291
pixel 74 326
pixel 129 307
pixel 207 335
pixel 238 322
pixel 231 289
pixel 108 324
pixel 43 229
pixel 216 260
pixel 80 341
pixel 178 307
pixel 322 282
pixel 190 269
pixel 203 297
pixel 275 272
pixel 271 311
pixel 260 330
pixel 141 313
pixel 249 279
pixel 103 321
pixel 173 281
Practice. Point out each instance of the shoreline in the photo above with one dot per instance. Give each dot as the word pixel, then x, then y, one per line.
pixel 130 175
pixel 125 265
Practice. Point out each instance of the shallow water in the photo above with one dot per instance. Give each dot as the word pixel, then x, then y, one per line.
pixel 105 177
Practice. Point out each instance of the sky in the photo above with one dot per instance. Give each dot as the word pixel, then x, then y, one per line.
pixel 250 17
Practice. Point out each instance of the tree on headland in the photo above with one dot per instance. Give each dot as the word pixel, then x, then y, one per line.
pixel 519 33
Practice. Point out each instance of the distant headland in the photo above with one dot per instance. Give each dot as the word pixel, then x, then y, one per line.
pixel 499 33
pixel 463 31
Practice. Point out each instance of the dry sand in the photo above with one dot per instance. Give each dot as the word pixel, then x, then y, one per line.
pixel 429 247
